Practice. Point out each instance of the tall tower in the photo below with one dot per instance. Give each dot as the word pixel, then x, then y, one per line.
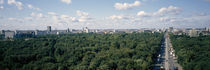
pixel 36 32
pixel 68 30
pixel 48 28
pixel 207 29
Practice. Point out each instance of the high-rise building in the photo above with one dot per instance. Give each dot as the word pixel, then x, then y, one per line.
pixel 86 30
pixel 171 29
pixel 36 32
pixel 68 30
pixel 49 28
pixel 2 32
pixel 207 29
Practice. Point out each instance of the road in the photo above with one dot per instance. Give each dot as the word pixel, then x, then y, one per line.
pixel 166 59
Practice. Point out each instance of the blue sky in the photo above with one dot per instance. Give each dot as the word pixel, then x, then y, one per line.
pixel 103 14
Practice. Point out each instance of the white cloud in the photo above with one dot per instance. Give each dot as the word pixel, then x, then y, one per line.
pixel 64 19
pixel 164 15
pixel 16 3
pixel 125 6
pixel 143 14
pixel 84 19
pixel 51 13
pixel 119 17
pixel 176 20
pixel 1 7
pixel 170 10
pixel 74 19
pixel 166 19
pixel 32 7
pixel 83 16
pixel 69 18
pixel 15 19
pixel 37 15
pixel 1 1
pixel 202 14
pixel 40 15
pixel 55 19
pixel 12 18
pixel 80 13
pixel 28 18
pixel 66 1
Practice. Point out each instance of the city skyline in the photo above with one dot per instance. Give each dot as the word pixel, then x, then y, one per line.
pixel 103 14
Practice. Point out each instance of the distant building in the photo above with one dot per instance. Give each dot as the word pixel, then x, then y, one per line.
pixel 158 30
pixel 68 30
pixel 49 29
pixel 2 32
pixel 9 34
pixel 71 30
pixel 30 33
pixel 114 30
pixel 59 32
pixel 37 32
pixel 207 29
pixel 178 32
pixel 140 31
pixel 96 31
pixel 24 33
pixel 205 33
pixel 171 29
pixel 86 30
pixel 193 33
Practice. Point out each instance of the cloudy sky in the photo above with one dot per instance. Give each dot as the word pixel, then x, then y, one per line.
pixel 103 14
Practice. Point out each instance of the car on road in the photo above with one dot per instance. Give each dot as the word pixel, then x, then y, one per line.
pixel 159 55
pixel 162 68
pixel 173 55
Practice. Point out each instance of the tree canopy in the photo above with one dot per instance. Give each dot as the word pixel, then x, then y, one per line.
pixel 136 51
pixel 193 52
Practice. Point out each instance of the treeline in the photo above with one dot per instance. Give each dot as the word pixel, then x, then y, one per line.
pixel 136 51
pixel 193 52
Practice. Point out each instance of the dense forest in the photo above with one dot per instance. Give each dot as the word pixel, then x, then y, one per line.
pixel 193 52
pixel 85 51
